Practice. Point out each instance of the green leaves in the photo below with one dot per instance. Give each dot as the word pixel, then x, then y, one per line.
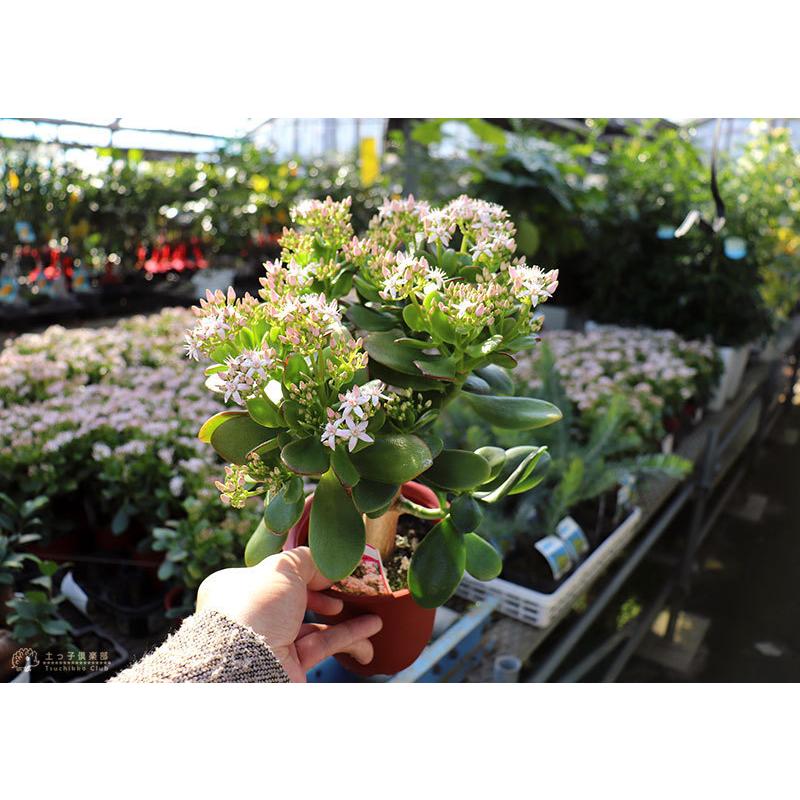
pixel 386 349
pixel 437 565
pixel 394 458
pixel 285 508
pixel 482 560
pixel 212 423
pixel 496 457
pixel 498 379
pixel 233 434
pixel 262 543
pixel 382 347
pixel 369 320
pixel 343 467
pixel 414 317
pixel 336 531
pixel 465 513
pixel 441 368
pixel 458 470
pixel 516 472
pixel 306 456
pixel 515 413
pixel 370 496
pixel 265 412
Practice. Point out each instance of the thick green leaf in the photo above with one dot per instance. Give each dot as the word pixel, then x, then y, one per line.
pixel 394 458
pixel 306 456
pixel 483 561
pixel 441 368
pixel 514 413
pixel 527 342
pixel 505 360
pixel 414 318
pixel 520 463
pixel 265 412
pixel 534 476
pixel 336 533
pixel 263 543
pixel 366 289
pixel 486 347
pixel 237 436
pixel 498 379
pixel 496 457
pixel 383 348
pixel 417 344
pixel 343 467
pixel 285 508
pixel 441 327
pixel 476 385
pixel 212 423
pixel 458 470
pixel 296 367
pixel 466 513
pixel 437 565
pixel 370 496
pixel 369 320
pixel 404 380
pixel 434 442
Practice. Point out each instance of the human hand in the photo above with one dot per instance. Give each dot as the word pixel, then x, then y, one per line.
pixel 272 598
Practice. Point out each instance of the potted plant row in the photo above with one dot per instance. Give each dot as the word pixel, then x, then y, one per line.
pixel 560 537
pixel 335 381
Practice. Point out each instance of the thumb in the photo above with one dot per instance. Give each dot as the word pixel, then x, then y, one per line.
pixel 299 561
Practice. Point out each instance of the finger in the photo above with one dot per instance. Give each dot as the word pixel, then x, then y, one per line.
pixel 310 627
pixel 362 650
pixel 299 561
pixel 328 640
pixel 322 604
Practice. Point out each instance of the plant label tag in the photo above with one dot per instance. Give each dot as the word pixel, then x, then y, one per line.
pixel 667 443
pixel 556 555
pixel 369 577
pixel 625 491
pixel 573 537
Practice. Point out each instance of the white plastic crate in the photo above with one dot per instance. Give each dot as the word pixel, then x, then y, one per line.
pixel 542 610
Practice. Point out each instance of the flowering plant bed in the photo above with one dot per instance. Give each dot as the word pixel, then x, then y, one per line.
pixel 339 374
pixel 659 373
pixel 541 609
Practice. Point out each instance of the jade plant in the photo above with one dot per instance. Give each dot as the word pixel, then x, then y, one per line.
pixel 336 374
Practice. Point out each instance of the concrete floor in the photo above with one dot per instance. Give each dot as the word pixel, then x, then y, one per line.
pixel 748 586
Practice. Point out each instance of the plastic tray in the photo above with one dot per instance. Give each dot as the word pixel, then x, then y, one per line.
pixel 543 610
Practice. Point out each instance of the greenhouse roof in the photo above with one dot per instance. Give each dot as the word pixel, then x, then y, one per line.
pixel 162 134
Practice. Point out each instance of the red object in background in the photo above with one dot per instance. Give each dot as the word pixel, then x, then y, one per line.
pixel 407 627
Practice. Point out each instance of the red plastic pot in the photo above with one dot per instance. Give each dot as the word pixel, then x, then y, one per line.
pixel 407 627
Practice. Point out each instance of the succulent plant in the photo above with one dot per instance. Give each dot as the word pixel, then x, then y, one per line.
pixel 337 374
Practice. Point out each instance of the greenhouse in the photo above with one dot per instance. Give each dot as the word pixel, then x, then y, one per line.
pixel 503 399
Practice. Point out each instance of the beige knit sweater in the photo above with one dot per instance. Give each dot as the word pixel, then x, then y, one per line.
pixel 208 648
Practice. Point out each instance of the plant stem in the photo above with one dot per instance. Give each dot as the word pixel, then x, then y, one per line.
pixel 423 512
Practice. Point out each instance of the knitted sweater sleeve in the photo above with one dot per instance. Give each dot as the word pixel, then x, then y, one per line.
pixel 208 648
